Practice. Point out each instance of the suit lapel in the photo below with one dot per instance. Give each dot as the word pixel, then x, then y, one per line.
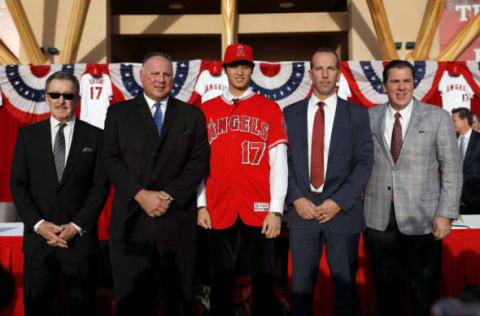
pixel 146 114
pixel 170 116
pixel 46 146
pixel 303 140
pixel 380 132
pixel 78 136
pixel 472 144
pixel 337 128
pixel 412 130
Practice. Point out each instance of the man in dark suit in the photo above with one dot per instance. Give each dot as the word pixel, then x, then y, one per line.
pixel 156 153
pixel 59 188
pixel 329 163
pixel 409 204
pixel 469 146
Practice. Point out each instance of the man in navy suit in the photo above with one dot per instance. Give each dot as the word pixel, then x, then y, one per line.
pixel 329 163
pixel 469 146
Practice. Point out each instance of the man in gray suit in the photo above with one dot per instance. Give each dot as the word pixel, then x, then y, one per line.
pixel 412 196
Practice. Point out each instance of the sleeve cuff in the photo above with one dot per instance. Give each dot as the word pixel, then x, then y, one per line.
pixel 80 230
pixel 277 206
pixel 201 195
pixel 35 228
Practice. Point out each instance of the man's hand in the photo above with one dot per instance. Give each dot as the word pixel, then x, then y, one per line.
pixel 305 208
pixel 441 227
pixel 327 210
pixel 152 202
pixel 50 232
pixel 271 225
pixel 203 218
pixel 68 232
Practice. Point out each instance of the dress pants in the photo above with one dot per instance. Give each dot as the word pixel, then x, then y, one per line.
pixel 469 209
pixel 404 264
pixel 225 245
pixel 342 255
pixel 135 265
pixel 44 280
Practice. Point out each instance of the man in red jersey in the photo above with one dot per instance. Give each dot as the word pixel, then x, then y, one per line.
pixel 242 200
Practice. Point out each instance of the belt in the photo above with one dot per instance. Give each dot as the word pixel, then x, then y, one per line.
pixel 317 195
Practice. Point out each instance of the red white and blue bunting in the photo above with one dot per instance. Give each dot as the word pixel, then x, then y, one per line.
pixel 126 76
pixel 23 87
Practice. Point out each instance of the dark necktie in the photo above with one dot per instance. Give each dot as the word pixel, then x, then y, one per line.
pixel 397 142
pixel 158 117
pixel 316 163
pixel 59 151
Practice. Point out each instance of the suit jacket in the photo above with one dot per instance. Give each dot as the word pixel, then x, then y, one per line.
pixel 37 194
pixel 138 158
pixel 349 166
pixel 471 173
pixel 420 190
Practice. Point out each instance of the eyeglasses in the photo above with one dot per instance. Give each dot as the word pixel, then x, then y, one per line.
pixel 56 95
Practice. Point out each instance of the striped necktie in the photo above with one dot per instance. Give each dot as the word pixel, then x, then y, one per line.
pixel 397 141
pixel 59 151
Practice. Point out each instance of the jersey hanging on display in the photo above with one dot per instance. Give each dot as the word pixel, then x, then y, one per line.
pixel 455 92
pixel 211 82
pixel 96 92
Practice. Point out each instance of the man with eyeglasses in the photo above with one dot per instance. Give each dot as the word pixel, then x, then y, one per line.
pixel 59 188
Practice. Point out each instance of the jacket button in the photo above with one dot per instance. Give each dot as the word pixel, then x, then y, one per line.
pixel 389 188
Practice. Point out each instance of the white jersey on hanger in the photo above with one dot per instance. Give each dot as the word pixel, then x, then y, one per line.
pixel 96 93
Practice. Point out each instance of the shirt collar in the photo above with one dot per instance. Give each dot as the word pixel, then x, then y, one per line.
pixel 467 134
pixel 331 101
pixel 54 122
pixel 151 102
pixel 229 97
pixel 404 113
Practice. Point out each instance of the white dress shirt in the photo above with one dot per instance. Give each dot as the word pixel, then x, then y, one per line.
pixel 329 109
pixel 467 140
pixel 68 134
pixel 151 105
pixel 405 115
pixel 278 169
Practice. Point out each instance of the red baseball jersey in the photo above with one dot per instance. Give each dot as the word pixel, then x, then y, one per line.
pixel 240 137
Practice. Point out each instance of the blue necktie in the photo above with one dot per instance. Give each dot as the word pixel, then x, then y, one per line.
pixel 157 117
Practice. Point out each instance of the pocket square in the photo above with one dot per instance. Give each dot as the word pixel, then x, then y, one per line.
pixel 87 150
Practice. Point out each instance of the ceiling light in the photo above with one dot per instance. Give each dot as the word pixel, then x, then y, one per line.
pixel 286 5
pixel 176 6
